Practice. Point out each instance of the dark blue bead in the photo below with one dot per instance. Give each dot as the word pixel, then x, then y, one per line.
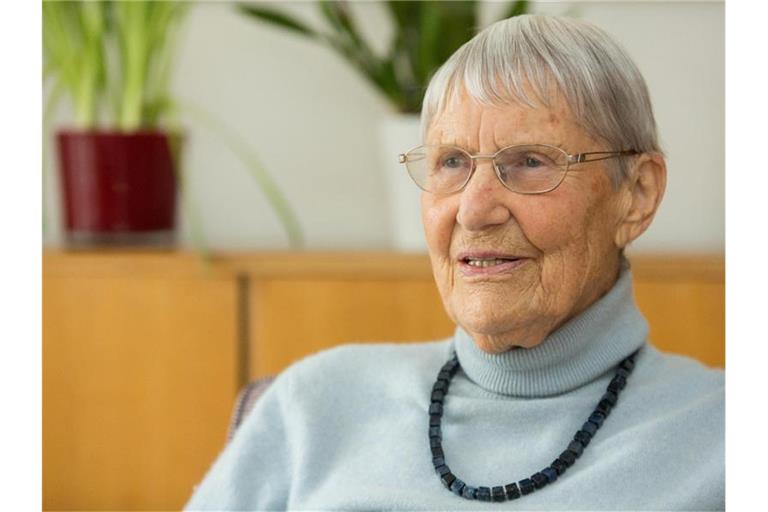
pixel 526 486
pixel 497 493
pixel 435 408
pixel 603 406
pixel 437 451
pixel 435 432
pixel 484 493
pixel 628 364
pixel 437 396
pixel 550 473
pixel 587 427
pixel 434 420
pixel 512 491
pixel 438 461
pixel 614 387
pixel 623 373
pixel 539 480
pixel 435 442
pixel 442 470
pixel 559 466
pixel 440 385
pixel 597 418
pixel 568 457
pixel 576 447
pixel 444 375
pixel 448 479
pixel 611 397
pixel 457 486
pixel 469 492
pixel 583 437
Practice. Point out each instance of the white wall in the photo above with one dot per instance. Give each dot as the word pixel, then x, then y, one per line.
pixel 313 121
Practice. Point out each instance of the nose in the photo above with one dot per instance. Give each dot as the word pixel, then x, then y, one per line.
pixel 483 201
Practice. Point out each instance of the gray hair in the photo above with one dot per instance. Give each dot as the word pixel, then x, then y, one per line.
pixel 598 80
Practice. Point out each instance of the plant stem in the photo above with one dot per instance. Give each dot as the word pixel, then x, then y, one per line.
pixel 130 18
pixel 51 102
pixel 243 151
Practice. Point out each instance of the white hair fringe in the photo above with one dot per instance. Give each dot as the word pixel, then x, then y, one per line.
pixel 517 58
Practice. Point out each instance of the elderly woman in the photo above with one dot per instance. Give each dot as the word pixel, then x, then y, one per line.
pixel 540 164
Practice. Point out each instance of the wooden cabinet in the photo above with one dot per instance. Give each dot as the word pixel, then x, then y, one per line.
pixel 143 353
pixel 302 303
pixel 683 299
pixel 139 372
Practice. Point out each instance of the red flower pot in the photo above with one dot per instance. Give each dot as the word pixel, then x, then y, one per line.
pixel 118 188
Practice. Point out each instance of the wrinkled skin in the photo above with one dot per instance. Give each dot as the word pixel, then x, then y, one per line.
pixel 570 237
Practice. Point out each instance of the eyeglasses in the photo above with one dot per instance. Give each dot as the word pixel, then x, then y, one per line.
pixel 527 169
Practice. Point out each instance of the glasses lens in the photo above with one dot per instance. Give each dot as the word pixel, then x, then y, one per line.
pixel 438 169
pixel 531 169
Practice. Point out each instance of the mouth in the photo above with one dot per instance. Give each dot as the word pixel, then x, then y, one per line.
pixel 486 258
pixel 485 264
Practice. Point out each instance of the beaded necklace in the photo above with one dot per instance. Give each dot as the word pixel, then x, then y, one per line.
pixel 538 480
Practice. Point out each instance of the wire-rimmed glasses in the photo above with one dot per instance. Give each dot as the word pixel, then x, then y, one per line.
pixel 525 169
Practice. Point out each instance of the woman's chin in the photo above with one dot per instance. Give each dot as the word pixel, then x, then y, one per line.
pixel 491 339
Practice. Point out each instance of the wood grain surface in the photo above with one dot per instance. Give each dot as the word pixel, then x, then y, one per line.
pixel 138 378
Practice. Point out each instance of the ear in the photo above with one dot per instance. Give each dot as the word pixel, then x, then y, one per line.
pixel 642 192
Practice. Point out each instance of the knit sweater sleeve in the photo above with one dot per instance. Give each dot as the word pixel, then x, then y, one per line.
pixel 253 472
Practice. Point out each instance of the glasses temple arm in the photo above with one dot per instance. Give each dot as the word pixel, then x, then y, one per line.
pixel 582 157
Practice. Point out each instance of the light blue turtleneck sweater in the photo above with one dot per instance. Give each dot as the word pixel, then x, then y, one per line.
pixel 347 429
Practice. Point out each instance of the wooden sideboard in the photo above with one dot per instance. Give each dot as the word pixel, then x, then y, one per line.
pixel 144 352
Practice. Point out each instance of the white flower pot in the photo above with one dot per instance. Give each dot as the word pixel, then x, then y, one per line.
pixel 397 134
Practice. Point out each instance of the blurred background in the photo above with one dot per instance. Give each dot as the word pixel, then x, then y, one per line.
pixel 315 123
pixel 281 222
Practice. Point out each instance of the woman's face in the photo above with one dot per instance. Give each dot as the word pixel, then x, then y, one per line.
pixel 562 243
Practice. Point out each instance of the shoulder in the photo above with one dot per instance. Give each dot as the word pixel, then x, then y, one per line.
pixel 366 356
pixel 355 367
pixel 669 429
pixel 679 373
pixel 677 394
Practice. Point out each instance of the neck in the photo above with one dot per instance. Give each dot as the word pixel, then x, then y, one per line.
pixel 580 350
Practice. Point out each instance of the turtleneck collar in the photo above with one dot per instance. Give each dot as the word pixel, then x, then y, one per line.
pixel 581 350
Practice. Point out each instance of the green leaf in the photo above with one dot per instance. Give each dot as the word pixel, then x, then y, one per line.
pixel 426 34
pixel 459 26
pixel 349 43
pixel 276 18
pixel 432 36
pixel 404 13
pixel 405 53
pixel 337 13
pixel 72 41
pixel 516 9
pixel 445 26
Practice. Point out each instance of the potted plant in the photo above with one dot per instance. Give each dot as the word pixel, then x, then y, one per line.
pixel 425 34
pixel 119 177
